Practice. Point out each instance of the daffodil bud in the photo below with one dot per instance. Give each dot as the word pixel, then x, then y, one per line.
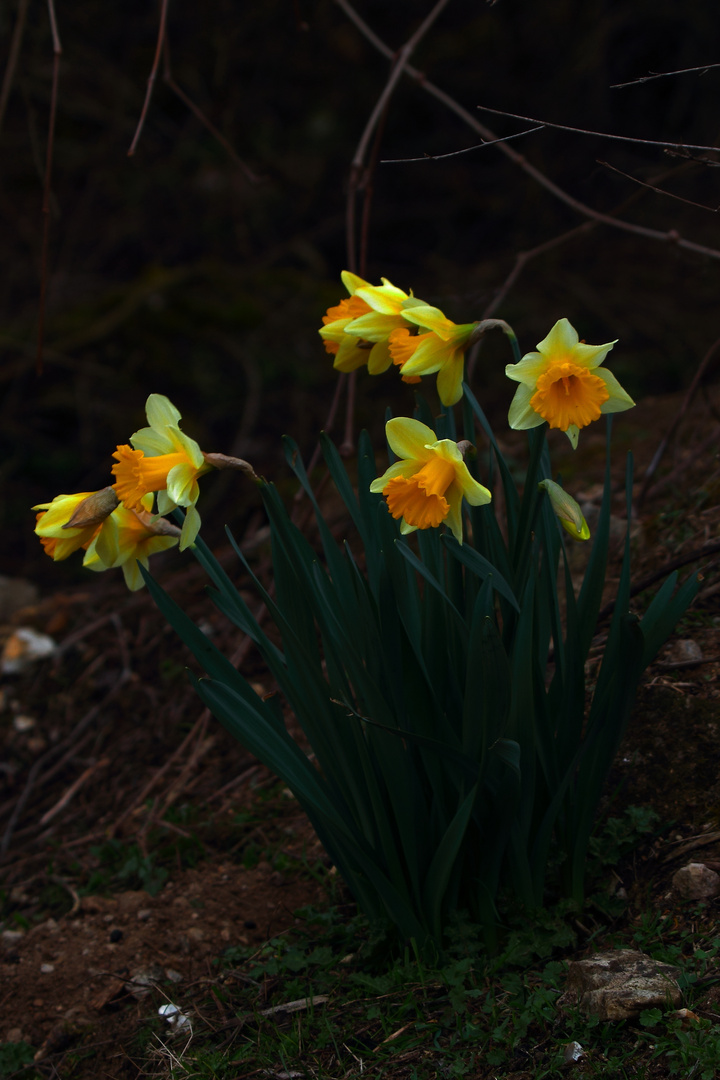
pixel 93 510
pixel 223 461
pixel 567 510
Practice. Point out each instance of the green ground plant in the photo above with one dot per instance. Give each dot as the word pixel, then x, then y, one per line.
pixel 461 1013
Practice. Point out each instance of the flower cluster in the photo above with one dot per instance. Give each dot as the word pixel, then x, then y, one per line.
pixel 563 384
pixel 380 325
pixel 116 526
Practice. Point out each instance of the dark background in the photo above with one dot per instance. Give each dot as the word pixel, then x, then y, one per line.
pixel 172 272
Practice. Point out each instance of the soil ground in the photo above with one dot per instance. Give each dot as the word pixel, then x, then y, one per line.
pixel 141 841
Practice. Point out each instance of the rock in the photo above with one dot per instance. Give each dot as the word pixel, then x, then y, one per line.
pixel 684 651
pixel 143 981
pixel 22 648
pixel 573 1052
pixel 696 881
pixel 10 938
pixel 620 983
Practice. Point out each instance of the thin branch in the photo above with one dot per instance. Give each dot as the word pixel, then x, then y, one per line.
pixel 671 236
pixel 657 190
pixel 597 134
pixel 657 575
pixel 699 453
pixel 401 63
pixel 153 74
pixel 15 44
pixel 521 261
pixel 373 127
pixel 197 112
pixel 657 456
pixel 339 387
pixel 69 744
pixel 57 53
pixel 457 153
pixel 661 75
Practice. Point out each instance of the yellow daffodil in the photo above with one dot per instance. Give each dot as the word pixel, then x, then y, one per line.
pixel 129 537
pixel 356 330
pixel 352 351
pixel 70 522
pixel 564 384
pixel 566 510
pixel 440 348
pixel 427 485
pixel 162 459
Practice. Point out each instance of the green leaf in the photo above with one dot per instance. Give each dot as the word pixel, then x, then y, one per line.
pixel 482 567
pixel 444 864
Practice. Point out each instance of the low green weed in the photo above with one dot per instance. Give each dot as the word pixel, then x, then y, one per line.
pixel 15 1056
pixel 459 1013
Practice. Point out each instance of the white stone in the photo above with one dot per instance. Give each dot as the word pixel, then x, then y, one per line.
pixel 620 983
pixel 696 881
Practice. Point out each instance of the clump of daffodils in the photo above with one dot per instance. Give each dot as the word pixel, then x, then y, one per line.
pixel 563 384
pixel 118 526
pixel 380 325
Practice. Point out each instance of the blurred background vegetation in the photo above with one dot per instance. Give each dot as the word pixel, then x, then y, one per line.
pixel 174 271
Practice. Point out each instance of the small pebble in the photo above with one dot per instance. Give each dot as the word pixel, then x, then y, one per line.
pixel 11 937
pixel 24 723
pixel 144 914
pixel 573 1053
pixel 47 969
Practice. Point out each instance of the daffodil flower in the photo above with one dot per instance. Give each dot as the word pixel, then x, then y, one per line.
pixel 427 485
pixel 70 522
pixel 564 384
pixel 129 537
pixel 356 331
pixel 566 510
pixel 440 348
pixel 162 459
pixel 352 351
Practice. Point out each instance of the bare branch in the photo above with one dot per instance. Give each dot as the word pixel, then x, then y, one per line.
pixel 657 190
pixel 661 75
pixel 197 112
pixel 15 44
pixel 57 53
pixel 373 127
pixel 457 153
pixel 657 456
pixel 597 134
pixel 152 76
pixel 671 236
pixel 402 59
